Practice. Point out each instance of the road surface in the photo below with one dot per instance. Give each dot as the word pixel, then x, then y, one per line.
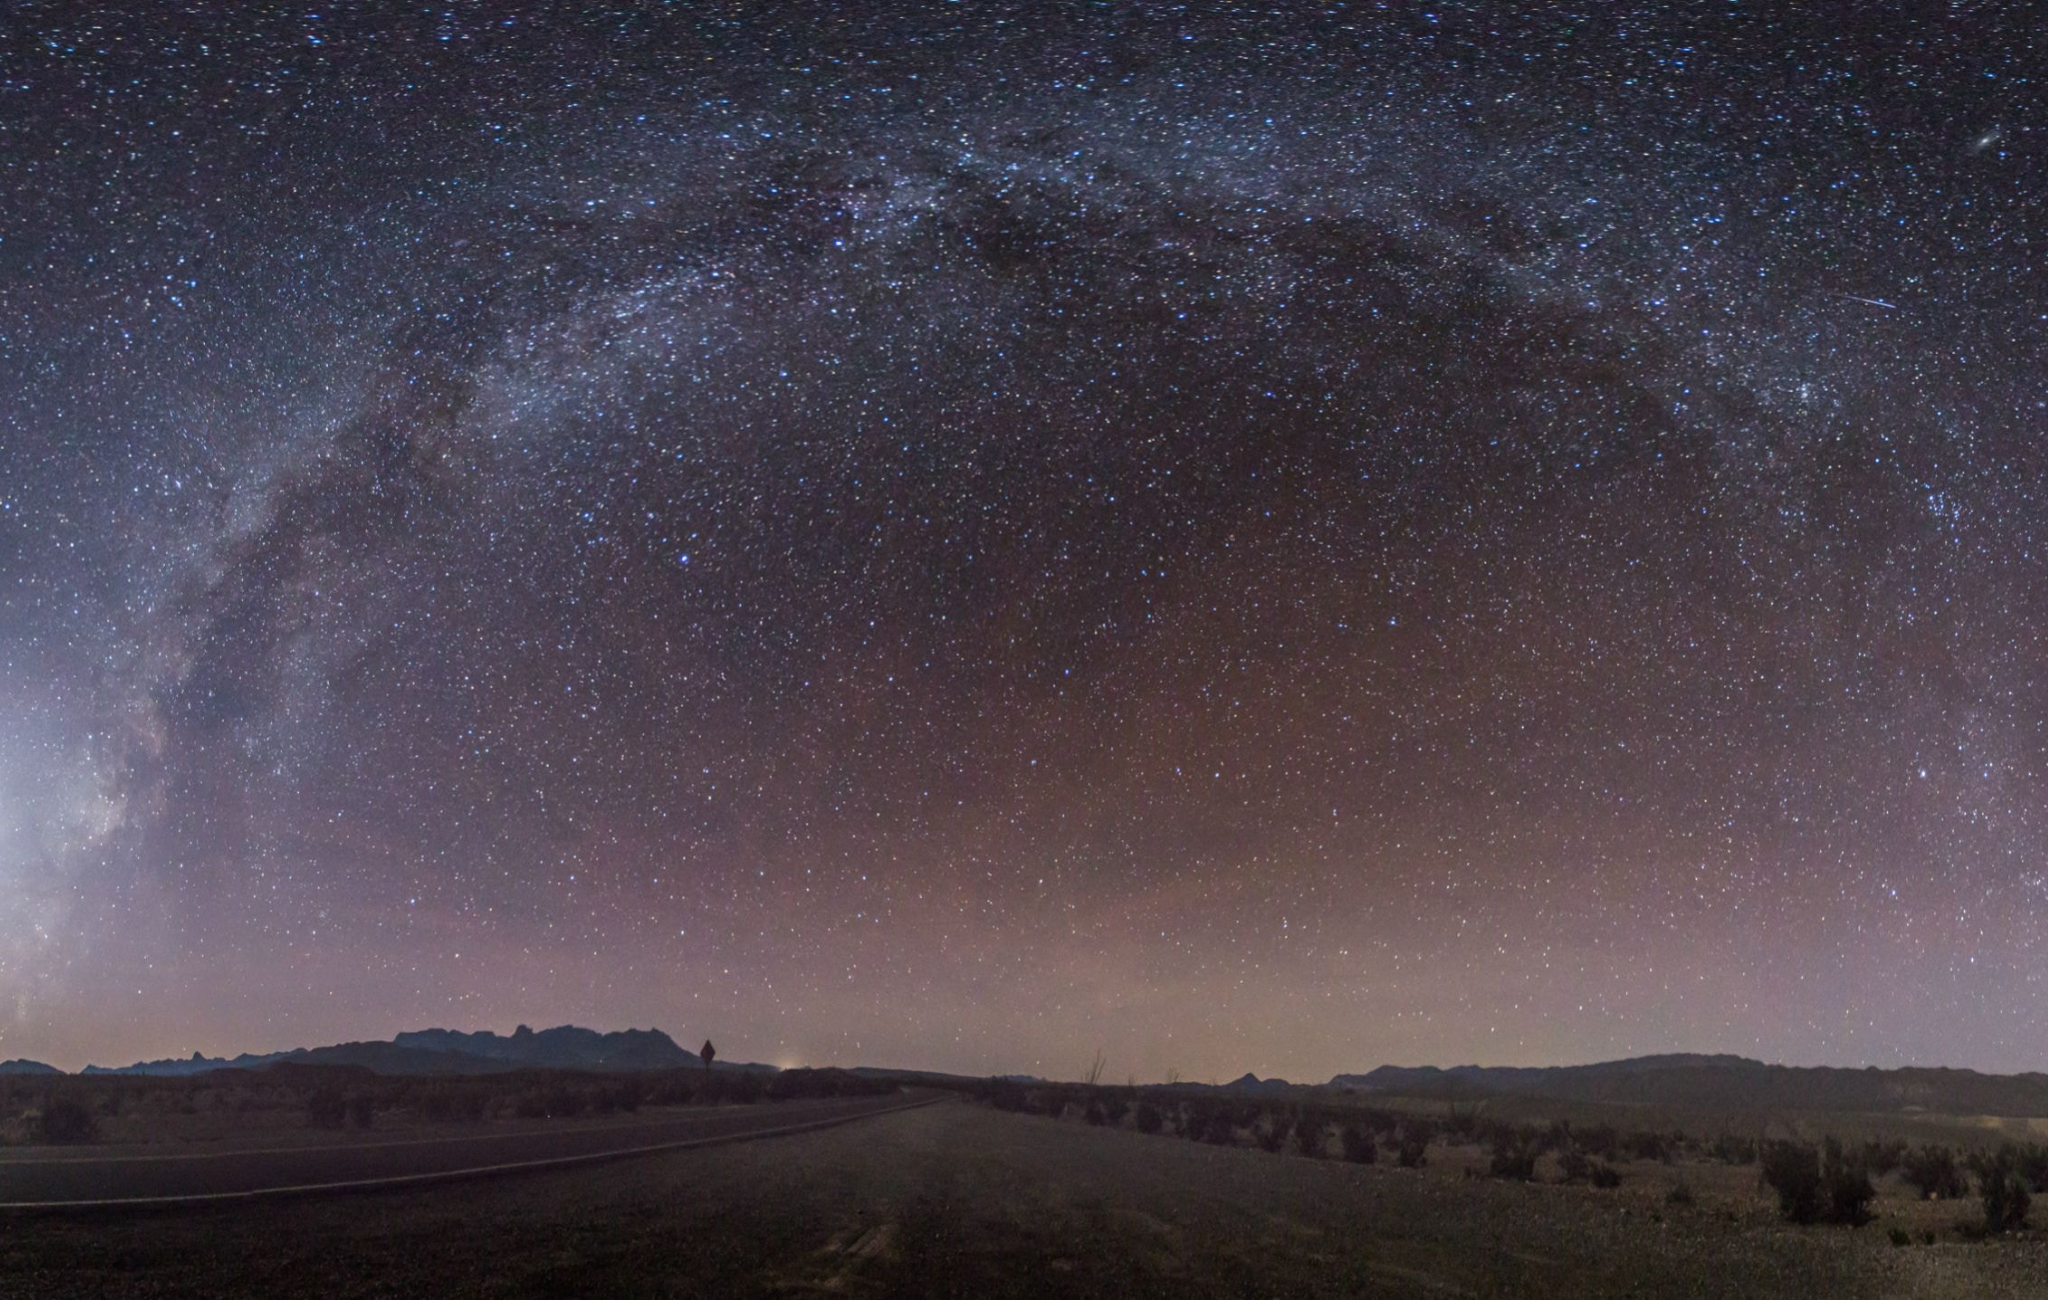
pixel 80 1178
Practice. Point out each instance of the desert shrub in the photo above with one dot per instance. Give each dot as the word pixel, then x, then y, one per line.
pixel 747 1087
pixel 672 1089
pixel 1514 1157
pixel 1273 1136
pixel 326 1108
pixel 1597 1140
pixel 1577 1166
pixel 1880 1157
pixel 1359 1148
pixel 362 1109
pixel 2032 1162
pixel 1221 1128
pixel 1680 1193
pixel 1792 1170
pixel 1934 1172
pixel 1413 1152
pixel 1847 1184
pixel 1147 1118
pixel 2005 1194
pixel 1606 1176
pixel 1900 1237
pixel 1649 1146
pixel 1095 1114
pixel 66 1121
pixel 1731 1149
pixel 1308 1136
pixel 1115 1106
pixel 1381 1123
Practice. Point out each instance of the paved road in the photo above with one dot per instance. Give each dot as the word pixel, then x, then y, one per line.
pixel 82 1179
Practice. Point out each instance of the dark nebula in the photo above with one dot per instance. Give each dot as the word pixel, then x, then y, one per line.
pixel 960 535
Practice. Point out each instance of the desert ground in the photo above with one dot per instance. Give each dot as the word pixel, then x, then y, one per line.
pixel 960 1199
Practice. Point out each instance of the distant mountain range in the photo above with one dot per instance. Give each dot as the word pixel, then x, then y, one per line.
pixel 1681 1080
pixel 1726 1083
pixel 449 1051
pixel 27 1067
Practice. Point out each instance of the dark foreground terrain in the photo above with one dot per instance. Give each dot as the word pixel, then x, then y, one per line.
pixel 103 1177
pixel 961 1199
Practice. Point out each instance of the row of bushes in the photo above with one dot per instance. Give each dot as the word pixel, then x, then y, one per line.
pixel 1360 1132
pixel 566 1096
pixel 1827 1183
pixel 74 1109
pixel 1831 1184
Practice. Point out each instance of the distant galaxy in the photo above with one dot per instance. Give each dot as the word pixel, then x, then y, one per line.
pixel 965 535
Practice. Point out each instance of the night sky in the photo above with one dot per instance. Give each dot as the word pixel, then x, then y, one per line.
pixel 960 535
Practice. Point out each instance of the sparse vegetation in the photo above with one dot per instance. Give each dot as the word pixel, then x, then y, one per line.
pixel 65 1121
pixel 1309 1136
pixel 1825 1186
pixel 326 1108
pixel 1359 1148
pixel 1934 1171
pixel 2004 1192
pixel 82 1109
pixel 1514 1157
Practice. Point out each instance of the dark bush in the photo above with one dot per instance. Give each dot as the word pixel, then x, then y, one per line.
pixel 66 1121
pixel 1649 1146
pixel 1273 1135
pixel 1792 1170
pixel 1514 1157
pixel 326 1108
pixel 1413 1152
pixel 362 1109
pixel 1115 1106
pixel 1358 1145
pixel 1607 1177
pixel 1221 1128
pixel 1730 1149
pixel 1881 1157
pixel 1934 1171
pixel 1848 1186
pixel 1147 1118
pixel 2032 1162
pixel 1309 1135
pixel 1095 1114
pixel 1597 1140
pixel 2005 1194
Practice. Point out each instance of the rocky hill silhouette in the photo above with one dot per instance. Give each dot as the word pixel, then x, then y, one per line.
pixel 1725 1083
pixel 450 1051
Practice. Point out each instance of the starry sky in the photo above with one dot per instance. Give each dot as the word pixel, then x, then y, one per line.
pixel 960 535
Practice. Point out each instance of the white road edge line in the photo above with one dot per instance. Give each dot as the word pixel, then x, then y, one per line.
pixel 443 1175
